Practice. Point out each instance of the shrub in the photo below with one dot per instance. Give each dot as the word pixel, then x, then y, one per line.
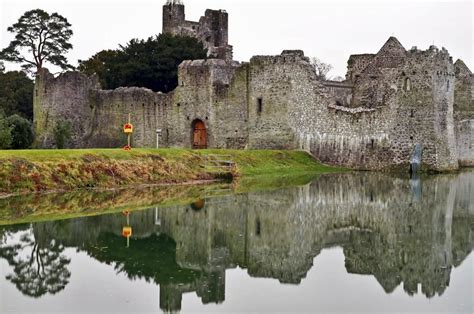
pixel 21 133
pixel 5 133
pixel 62 133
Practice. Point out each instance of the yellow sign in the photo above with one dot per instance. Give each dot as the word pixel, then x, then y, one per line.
pixel 128 128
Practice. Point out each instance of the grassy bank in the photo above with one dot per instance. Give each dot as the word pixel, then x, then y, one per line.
pixel 56 206
pixel 47 170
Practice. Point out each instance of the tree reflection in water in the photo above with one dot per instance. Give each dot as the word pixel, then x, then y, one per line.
pixel 38 268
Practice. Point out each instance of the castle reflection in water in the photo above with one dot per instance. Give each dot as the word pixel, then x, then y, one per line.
pixel 399 230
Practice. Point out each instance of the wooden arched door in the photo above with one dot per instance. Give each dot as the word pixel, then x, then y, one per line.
pixel 199 135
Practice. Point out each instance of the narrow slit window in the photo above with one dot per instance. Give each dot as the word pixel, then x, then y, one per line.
pixel 259 105
pixel 407 84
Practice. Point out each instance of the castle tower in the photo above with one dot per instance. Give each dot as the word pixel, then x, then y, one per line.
pixel 173 16
pixel 211 29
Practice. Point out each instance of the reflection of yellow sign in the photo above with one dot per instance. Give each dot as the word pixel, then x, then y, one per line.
pixel 127 232
pixel 198 205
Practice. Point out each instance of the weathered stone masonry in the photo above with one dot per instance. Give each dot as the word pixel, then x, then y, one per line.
pixel 464 113
pixel 390 101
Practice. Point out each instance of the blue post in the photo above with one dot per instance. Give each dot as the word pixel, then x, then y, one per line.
pixel 415 162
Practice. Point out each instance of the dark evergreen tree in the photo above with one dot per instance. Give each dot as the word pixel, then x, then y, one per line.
pixel 151 63
pixel 5 132
pixel 16 94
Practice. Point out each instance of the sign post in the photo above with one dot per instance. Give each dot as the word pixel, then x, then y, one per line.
pixel 158 134
pixel 128 129
pixel 127 230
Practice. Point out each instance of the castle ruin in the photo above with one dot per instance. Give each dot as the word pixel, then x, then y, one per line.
pixel 212 29
pixel 390 102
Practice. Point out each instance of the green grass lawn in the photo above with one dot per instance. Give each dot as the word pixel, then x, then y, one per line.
pixel 68 154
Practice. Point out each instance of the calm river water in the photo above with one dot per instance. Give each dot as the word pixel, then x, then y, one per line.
pixel 339 243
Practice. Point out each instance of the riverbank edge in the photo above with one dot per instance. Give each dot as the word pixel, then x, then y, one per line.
pixel 46 171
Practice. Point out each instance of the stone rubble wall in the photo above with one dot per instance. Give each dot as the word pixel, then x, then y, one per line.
pixel 356 64
pixel 464 113
pixel 96 116
pixel 214 92
pixel 340 91
pixel 465 142
pixel 110 113
pixel 401 99
pixel 62 99
pixel 424 113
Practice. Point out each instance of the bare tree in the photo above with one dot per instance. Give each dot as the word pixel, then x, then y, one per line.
pixel 337 78
pixel 322 69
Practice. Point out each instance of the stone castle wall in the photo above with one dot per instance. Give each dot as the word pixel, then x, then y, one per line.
pixel 65 98
pixel 276 102
pixel 212 91
pixel 356 64
pixel 464 113
pixel 96 116
pixel 390 102
pixel 110 112
pixel 465 142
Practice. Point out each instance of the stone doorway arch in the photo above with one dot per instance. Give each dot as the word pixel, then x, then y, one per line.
pixel 199 134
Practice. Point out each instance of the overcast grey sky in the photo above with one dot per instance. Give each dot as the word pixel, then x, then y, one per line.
pixel 329 30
